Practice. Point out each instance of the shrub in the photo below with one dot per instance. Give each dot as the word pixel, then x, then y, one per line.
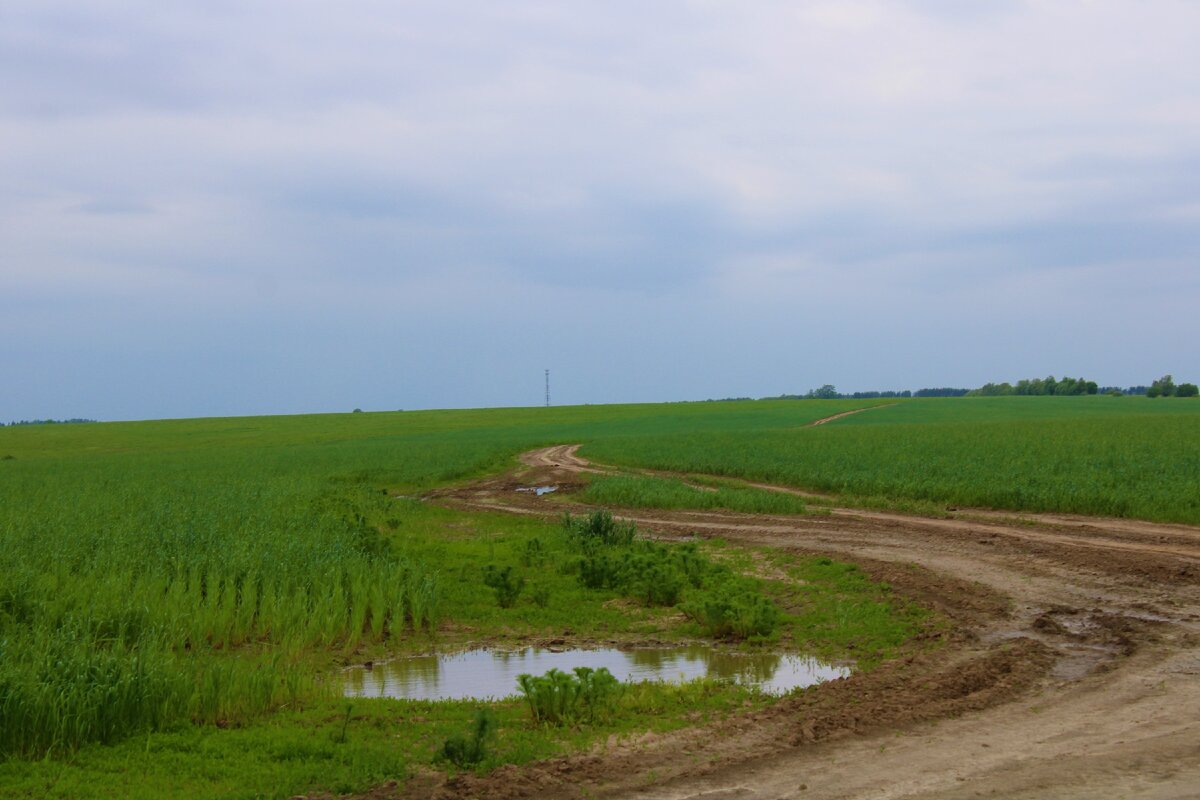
pixel 533 554
pixel 506 583
pixel 652 578
pixel 600 571
pixel 696 568
pixel 733 610
pixel 560 698
pixel 1187 390
pixel 599 529
pixel 466 751
pixel 652 573
pixel 648 575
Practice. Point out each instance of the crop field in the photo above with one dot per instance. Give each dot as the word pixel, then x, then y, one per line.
pixel 1104 456
pixel 177 597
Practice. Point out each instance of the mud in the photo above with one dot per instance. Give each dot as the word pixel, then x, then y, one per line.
pixel 1071 669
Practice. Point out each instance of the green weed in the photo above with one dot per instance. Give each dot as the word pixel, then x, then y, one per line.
pixel 560 698
pixel 733 610
pixel 467 751
pixel 506 583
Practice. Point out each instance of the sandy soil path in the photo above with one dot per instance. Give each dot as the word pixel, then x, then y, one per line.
pixel 847 413
pixel 1074 670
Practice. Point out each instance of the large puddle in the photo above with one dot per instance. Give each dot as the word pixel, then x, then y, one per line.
pixel 484 674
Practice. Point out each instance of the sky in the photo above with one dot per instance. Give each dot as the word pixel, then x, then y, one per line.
pixel 224 208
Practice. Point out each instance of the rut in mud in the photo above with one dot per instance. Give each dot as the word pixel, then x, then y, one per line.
pixel 1073 669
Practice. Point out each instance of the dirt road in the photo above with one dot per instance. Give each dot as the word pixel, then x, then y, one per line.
pixel 846 414
pixel 1073 671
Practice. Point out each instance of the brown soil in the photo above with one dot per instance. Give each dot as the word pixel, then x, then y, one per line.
pixel 1071 670
pixel 848 413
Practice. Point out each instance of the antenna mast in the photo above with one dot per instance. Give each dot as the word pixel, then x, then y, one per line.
pixel 547 388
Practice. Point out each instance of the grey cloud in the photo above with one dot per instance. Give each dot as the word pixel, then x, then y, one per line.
pixel 676 199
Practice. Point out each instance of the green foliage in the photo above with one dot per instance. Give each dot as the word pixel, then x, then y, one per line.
pixel 598 529
pixel 1084 455
pixel 533 553
pixel 654 574
pixel 1038 386
pixel 341 737
pixel 826 392
pixel 1187 390
pixel 294 752
pixel 506 582
pixel 733 610
pixel 560 698
pixel 467 751
pixel 116 614
pixel 1163 387
pixel 205 570
pixel 640 491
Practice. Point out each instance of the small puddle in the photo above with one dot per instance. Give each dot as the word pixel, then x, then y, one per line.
pixel 484 674
pixel 538 490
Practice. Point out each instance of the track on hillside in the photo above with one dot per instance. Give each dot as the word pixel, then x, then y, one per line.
pixel 1073 670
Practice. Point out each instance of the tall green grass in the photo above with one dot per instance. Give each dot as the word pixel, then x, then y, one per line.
pixel 1124 457
pixel 137 600
pixel 643 491
pixel 157 573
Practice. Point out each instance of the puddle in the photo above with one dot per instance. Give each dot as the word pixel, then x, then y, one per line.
pixel 482 674
pixel 539 490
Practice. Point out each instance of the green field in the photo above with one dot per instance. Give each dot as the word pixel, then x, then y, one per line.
pixel 1105 456
pixel 173 594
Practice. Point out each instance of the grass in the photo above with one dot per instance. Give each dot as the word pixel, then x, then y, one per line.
pixel 644 491
pixel 297 751
pixel 1106 456
pixel 171 593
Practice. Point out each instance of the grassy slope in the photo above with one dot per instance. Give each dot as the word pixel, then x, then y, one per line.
pixel 1126 456
pixel 124 499
pixel 98 519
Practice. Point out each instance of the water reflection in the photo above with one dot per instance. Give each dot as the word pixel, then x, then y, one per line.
pixel 482 674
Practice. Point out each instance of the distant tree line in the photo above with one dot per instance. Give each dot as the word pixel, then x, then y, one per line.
pixel 46 422
pixel 1138 390
pixel 943 392
pixel 1038 387
pixel 1163 387
pixel 830 392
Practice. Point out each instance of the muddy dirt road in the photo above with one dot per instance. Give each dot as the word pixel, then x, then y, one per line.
pixel 1073 669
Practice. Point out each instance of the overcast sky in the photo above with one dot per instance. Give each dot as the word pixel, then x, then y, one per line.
pixel 215 208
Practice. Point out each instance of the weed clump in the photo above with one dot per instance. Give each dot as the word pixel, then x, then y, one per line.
pixel 599 529
pixel 560 698
pixel 533 554
pixel 467 751
pixel 613 558
pixel 505 582
pixel 724 605
pixel 733 610
pixel 649 576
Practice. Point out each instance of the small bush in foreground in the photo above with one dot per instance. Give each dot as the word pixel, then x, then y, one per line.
pixel 533 554
pixel 733 611
pixel 506 583
pixel 467 751
pixel 559 698
pixel 651 573
pixel 599 529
